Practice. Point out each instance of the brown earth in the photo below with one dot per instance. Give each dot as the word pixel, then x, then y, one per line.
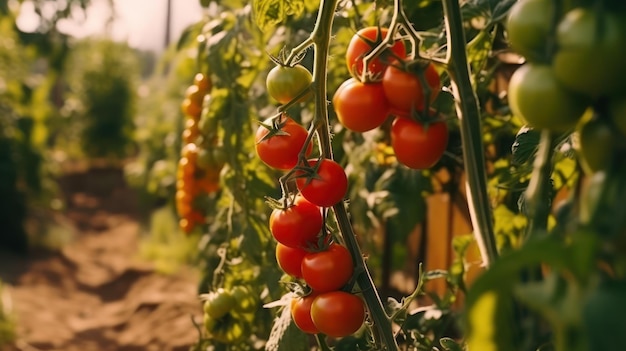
pixel 95 293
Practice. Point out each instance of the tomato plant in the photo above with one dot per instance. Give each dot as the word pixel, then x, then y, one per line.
pixel 360 106
pixel 418 145
pixel 285 83
pixel 279 142
pixel 362 44
pixel 337 313
pixel 325 184
pixel 329 269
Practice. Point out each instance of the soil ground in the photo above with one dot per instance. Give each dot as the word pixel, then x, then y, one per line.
pixel 95 293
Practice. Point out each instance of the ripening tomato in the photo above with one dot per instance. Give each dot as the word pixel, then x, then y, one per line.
pixel 325 188
pixel 289 259
pixel 286 83
pixel 298 225
pixel 417 146
pixel 301 313
pixel 194 94
pixel 338 313
pixel 405 91
pixel 536 96
pixel 360 106
pixel 203 82
pixel 191 109
pixel 328 270
pixel 279 148
pixel 362 44
pixel 528 26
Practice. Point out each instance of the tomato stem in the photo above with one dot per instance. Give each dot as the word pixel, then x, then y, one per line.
pixel 538 191
pixel 321 342
pixel 321 42
pixel 468 113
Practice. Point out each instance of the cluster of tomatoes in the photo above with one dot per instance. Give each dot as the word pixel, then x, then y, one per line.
pixel 575 64
pixel 305 249
pixel 228 313
pixel 199 166
pixel 393 85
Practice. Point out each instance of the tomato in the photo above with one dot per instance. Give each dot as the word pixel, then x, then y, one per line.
pixel 230 331
pixel 597 145
pixel 191 132
pixel 338 313
pixel 537 97
pixel 404 90
pixel 298 225
pixel 286 83
pixel 203 82
pixel 191 108
pixel 219 303
pixel 617 111
pixel 246 301
pixel 528 26
pixel 290 259
pixel 325 188
pixel 301 313
pixel 280 148
pixel 328 270
pixel 590 55
pixel 417 146
pixel 362 44
pixel 194 94
pixel 360 106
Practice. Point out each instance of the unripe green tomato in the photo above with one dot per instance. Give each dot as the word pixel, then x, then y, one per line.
pixel 219 303
pixel 286 83
pixel 528 26
pixel 597 145
pixel 245 300
pixel 590 52
pixel 209 323
pixel 537 97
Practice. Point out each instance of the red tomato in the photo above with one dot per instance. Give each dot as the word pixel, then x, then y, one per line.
pixel 327 187
pixel 290 259
pixel 362 44
pixel 404 90
pixel 301 313
pixel 338 313
pixel 360 106
pixel 417 146
pixel 328 270
pixel 297 226
pixel 280 148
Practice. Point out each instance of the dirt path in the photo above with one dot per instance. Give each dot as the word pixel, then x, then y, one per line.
pixel 95 294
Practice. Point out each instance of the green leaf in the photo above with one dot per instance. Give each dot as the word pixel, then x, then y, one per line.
pixel 449 344
pixel 268 13
pixel 285 335
pixel 525 146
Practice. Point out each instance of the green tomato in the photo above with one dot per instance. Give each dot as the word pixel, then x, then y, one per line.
pixel 590 56
pixel 286 83
pixel 245 300
pixel 537 97
pixel 597 145
pixel 219 303
pixel 209 323
pixel 528 26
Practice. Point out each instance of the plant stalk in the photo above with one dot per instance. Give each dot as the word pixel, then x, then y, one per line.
pixel 321 41
pixel 468 112
pixel 538 192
